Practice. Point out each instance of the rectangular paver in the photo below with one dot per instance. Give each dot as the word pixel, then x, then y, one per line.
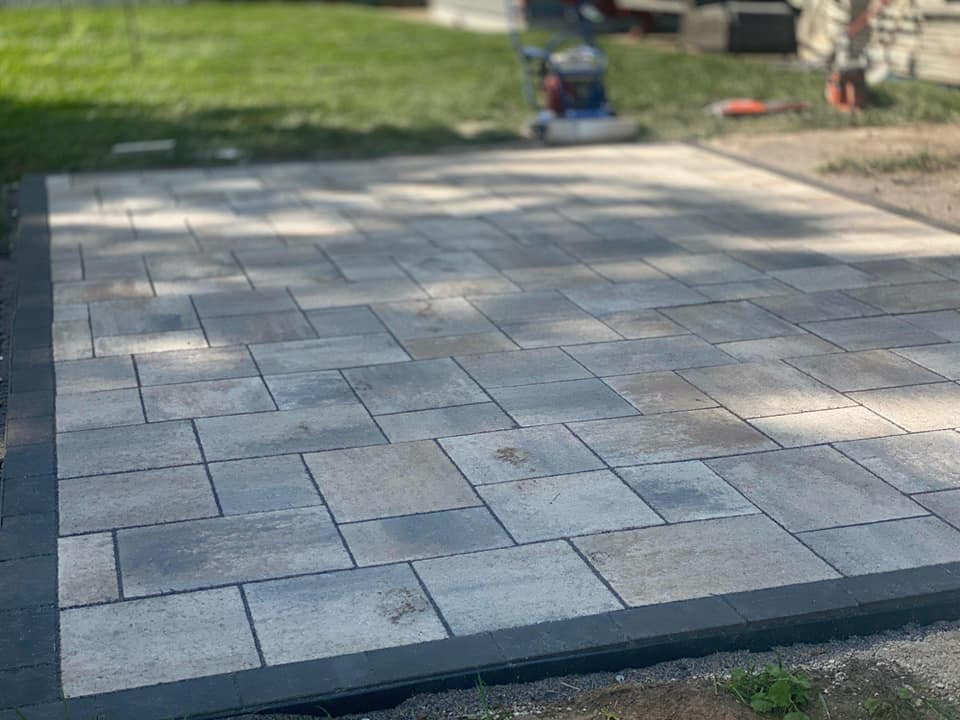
pixel 272 483
pixel 419 385
pixel 916 408
pixel 182 366
pixel 729 321
pixel 825 426
pixel 653 393
pixel 524 367
pixel 444 422
pixel 637 356
pixel 104 408
pixel 87 570
pixel 866 370
pixel 202 399
pixel 137 447
pixel 563 401
pixel 872 332
pixel 327 353
pixel 912 463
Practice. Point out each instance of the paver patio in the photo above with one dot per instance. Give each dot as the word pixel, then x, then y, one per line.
pixel 310 410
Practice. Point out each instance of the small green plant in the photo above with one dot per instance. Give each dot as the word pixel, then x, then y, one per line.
pixel 484 698
pixel 906 704
pixel 774 690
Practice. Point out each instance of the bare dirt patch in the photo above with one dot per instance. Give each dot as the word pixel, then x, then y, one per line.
pixel 913 167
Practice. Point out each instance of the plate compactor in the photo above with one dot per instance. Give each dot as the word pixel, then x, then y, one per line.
pixel 575 108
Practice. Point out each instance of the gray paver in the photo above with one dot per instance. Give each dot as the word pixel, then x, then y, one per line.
pixel 311 389
pixel 137 498
pixel 825 277
pixel 870 333
pixel 273 483
pixel 549 333
pixel 149 342
pixel 548 581
pixel 401 479
pixel 637 356
pixel 449 345
pixel 345 321
pixel 561 402
pixel 287 431
pixel 110 373
pixel 414 537
pixel 702 269
pixel 243 303
pixel 154 640
pixel 417 385
pixel 519 454
pixel 777 348
pixel 526 307
pixel 87 571
pixel 916 408
pixel 918 297
pixel 728 321
pixel 71 340
pixel 836 491
pixel 825 426
pixel 685 491
pixel 757 389
pixel 865 370
pixel 677 562
pixel 137 317
pixel 443 422
pixel 327 353
pixel 566 505
pixel 941 359
pixel 603 299
pixel 945 504
pixel 182 366
pixel 425 318
pixel 202 399
pixel 811 307
pixel 375 607
pixel 522 367
pixel 676 436
pixel 136 447
pixel 97 290
pixel 217 551
pixel 259 328
pixel 641 324
pixel 661 392
pixel 912 463
pixel 745 290
pixel 887 546
pixel 945 323
pixel 104 408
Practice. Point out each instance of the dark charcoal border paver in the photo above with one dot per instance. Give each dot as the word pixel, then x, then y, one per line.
pixel 29 675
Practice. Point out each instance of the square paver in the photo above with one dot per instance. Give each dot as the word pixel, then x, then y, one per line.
pixel 638 356
pixel 676 436
pixel 418 385
pixel 375 608
pixel 728 321
pixel 825 426
pixel 685 491
pixel 222 550
pixel 426 318
pixel 566 505
pixel 136 447
pixel 137 498
pixel 653 393
pixel 287 431
pixel 689 560
pixel 149 315
pixel 444 422
pixel 519 454
pixel 181 366
pixel 916 408
pixel 87 571
pixel 202 399
pixel 374 482
pixel 547 581
pixel 837 491
pixel 111 373
pixel 154 640
pixel 327 353
pixel 104 408
pixel 311 389
pixel 757 389
pixel 812 307
pixel 414 537
pixel 872 332
pixel 524 367
pixel 866 370
pixel 941 359
pixel 563 401
pixel 344 321
pixel 272 483
pixel 887 546
pixel 259 328
pixel 913 463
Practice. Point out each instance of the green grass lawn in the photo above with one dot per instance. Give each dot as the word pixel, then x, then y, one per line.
pixel 305 81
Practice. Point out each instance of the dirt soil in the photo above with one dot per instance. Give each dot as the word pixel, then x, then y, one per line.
pixel 935 194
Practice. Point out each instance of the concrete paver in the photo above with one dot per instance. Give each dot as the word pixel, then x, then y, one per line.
pixel 314 410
